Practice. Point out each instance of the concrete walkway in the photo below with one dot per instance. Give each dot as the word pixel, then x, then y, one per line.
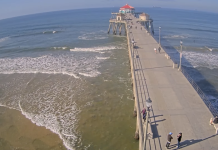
pixel 176 106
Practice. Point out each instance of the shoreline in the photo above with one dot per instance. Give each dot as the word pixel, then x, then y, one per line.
pixel 17 131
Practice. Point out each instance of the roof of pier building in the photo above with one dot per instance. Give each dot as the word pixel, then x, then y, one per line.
pixel 126 7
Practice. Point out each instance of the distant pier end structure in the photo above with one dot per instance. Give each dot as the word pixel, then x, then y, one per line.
pixel 147 22
pixel 118 21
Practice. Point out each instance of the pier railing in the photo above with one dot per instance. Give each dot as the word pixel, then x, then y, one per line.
pixel 203 96
pixel 142 128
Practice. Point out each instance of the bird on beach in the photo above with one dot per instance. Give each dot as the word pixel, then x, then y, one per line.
pixel 210 49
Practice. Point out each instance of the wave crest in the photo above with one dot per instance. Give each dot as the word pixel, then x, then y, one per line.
pixel 94 49
pixel 4 39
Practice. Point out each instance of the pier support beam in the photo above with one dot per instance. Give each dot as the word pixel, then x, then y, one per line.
pixel 113 28
pixel 137 130
pixel 109 28
pixel 120 29
pixel 135 109
pixel 117 27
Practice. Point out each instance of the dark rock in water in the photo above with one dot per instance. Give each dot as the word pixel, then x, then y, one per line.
pixel 136 136
pixel 134 113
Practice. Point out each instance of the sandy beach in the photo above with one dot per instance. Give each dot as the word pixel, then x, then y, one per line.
pixel 18 132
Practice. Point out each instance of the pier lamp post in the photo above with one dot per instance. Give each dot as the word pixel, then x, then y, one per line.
pixel 148 103
pixel 159 36
pixel 180 64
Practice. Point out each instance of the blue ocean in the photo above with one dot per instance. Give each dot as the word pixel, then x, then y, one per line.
pixel 62 70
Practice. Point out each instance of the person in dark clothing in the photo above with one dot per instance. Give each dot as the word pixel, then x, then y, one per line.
pixel 214 120
pixel 179 138
pixel 169 138
pixel 159 49
pixel 144 113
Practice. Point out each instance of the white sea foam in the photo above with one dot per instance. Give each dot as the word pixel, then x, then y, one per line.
pixel 49 64
pixel 102 57
pixel 93 36
pixel 175 36
pixel 49 32
pixel 4 39
pixel 90 74
pixel 51 105
pixel 198 59
pixel 94 49
pixel 60 47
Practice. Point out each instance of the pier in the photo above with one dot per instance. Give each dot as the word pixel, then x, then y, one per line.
pixel 175 105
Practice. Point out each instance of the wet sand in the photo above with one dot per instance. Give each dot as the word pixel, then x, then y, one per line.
pixel 18 132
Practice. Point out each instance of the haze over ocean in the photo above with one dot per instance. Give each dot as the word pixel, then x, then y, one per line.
pixel 64 72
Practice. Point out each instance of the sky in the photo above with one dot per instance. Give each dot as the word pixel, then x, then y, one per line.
pixel 13 8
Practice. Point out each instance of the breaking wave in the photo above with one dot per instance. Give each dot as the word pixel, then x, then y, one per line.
pixel 176 37
pixel 50 64
pixel 60 47
pixel 102 57
pixel 208 60
pixel 94 49
pixel 3 39
pixel 93 36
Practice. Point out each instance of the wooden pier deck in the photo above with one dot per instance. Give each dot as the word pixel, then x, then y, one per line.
pixel 176 106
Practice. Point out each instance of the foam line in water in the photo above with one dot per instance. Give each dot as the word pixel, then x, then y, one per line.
pixel 93 36
pixel 176 36
pixel 91 74
pixel 4 39
pixel 50 32
pixel 94 49
pixel 102 57
pixel 60 48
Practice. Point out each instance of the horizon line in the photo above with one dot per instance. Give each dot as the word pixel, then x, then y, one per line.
pixel 155 7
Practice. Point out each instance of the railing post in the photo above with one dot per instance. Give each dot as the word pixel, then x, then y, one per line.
pixel 146 130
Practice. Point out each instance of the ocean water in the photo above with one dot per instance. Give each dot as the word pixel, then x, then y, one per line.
pixel 63 72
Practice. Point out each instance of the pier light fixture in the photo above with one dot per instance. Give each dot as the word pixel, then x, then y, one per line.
pixel 159 35
pixel 180 64
pixel 148 103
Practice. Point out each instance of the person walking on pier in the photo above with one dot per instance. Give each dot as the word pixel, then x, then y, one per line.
pixel 144 114
pixel 155 50
pixel 214 120
pixel 179 138
pixel 169 138
pixel 159 49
